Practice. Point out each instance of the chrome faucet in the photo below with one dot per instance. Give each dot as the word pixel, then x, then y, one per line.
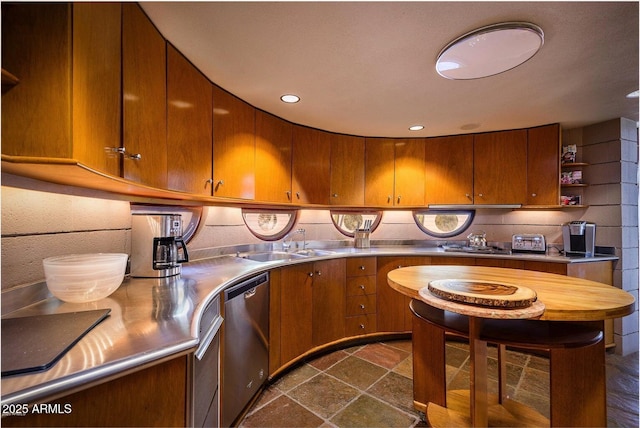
pixel 288 238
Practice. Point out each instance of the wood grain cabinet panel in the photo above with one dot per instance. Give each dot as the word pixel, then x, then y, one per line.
pixel 409 172
pixel 67 103
pixel 361 324
pixel 233 146
pixel 543 165
pixel 379 172
pixel 347 170
pixel 144 67
pixel 296 300
pixel 189 126
pixel 361 285
pixel 155 396
pixel 499 167
pixel 328 309
pixel 449 170
pixel 273 158
pixel 359 305
pixel 311 166
pixel 393 314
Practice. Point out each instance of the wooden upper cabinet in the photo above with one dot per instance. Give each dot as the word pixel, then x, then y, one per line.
pixel 97 92
pixel 144 65
pixel 47 114
pixel 311 165
pixel 409 172
pixel 543 165
pixel 233 146
pixel 500 164
pixel 449 170
pixel 189 126
pixel 273 158
pixel 379 172
pixel 36 48
pixel 394 172
pixel 347 170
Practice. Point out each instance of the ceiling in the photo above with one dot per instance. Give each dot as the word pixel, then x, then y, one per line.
pixel 368 68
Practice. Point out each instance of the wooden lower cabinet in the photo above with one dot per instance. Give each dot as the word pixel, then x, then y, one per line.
pixel 312 307
pixel 155 396
pixel 393 313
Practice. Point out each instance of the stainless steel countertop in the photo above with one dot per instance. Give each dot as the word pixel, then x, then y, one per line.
pixel 155 319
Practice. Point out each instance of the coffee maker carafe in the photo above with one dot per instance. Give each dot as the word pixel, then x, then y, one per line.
pixel 157 247
pixel 579 238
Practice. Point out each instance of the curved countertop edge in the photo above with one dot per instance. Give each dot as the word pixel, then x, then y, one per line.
pixel 550 288
pixel 205 279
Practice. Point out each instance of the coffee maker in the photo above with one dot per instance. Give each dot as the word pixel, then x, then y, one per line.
pixel 579 238
pixel 157 247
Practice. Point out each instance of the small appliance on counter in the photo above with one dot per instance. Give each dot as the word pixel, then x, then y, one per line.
pixel 157 247
pixel 579 238
pixel 528 243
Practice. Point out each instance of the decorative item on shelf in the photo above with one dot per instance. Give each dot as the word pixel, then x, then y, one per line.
pixel 571 177
pixel 569 153
pixel 571 200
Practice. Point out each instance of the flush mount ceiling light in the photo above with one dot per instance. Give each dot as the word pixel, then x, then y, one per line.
pixel 416 128
pixel 290 98
pixel 489 50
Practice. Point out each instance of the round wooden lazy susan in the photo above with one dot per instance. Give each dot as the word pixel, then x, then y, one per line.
pixel 483 293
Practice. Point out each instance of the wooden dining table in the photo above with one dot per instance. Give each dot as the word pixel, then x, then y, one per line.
pixel 564 318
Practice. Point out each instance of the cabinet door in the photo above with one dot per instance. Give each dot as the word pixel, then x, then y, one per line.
pixel 449 170
pixel 97 92
pixel 295 311
pixel 543 165
pixel 273 158
pixel 189 126
pixel 144 65
pixel 393 307
pixel 36 48
pixel 347 170
pixel 329 301
pixel 233 146
pixel 379 172
pixel 409 172
pixel 500 164
pixel 311 165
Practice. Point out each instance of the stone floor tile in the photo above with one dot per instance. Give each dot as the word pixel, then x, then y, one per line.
pixel 382 355
pixel 326 361
pixel 357 372
pixel 396 390
pixel 324 395
pixel 282 412
pixel 369 412
pixel 405 368
pixel 296 377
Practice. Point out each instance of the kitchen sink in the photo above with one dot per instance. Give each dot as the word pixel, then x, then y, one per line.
pixel 272 256
pixel 315 253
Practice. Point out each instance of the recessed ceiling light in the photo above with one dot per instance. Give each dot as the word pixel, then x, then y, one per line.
pixel 290 98
pixel 416 128
pixel 489 50
pixel 633 94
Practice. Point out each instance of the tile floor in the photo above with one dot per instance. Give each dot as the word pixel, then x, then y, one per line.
pixel 371 386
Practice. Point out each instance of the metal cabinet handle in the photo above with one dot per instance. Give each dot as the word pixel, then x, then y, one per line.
pixel 298 195
pixel 362 326
pixel 123 152
pixel 388 198
pixel 468 196
pixel 310 273
pixel 318 272
pixel 362 287
pixel 399 196
pixel 361 306
pixel 335 195
pixel 533 195
pixel 362 267
pixel 288 194
pixel 481 195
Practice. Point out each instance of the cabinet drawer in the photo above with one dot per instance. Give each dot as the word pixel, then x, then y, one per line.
pixel 361 285
pixel 358 305
pixel 361 324
pixel 361 266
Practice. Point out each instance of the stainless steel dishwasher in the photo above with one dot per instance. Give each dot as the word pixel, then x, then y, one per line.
pixel 245 344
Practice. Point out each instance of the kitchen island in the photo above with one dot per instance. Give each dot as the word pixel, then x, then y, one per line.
pixel 567 321
pixel 155 323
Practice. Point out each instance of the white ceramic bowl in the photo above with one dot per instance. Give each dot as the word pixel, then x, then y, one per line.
pixel 79 278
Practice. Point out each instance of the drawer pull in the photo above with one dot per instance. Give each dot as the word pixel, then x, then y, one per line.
pixel 362 268
pixel 362 287
pixel 362 326
pixel 361 306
